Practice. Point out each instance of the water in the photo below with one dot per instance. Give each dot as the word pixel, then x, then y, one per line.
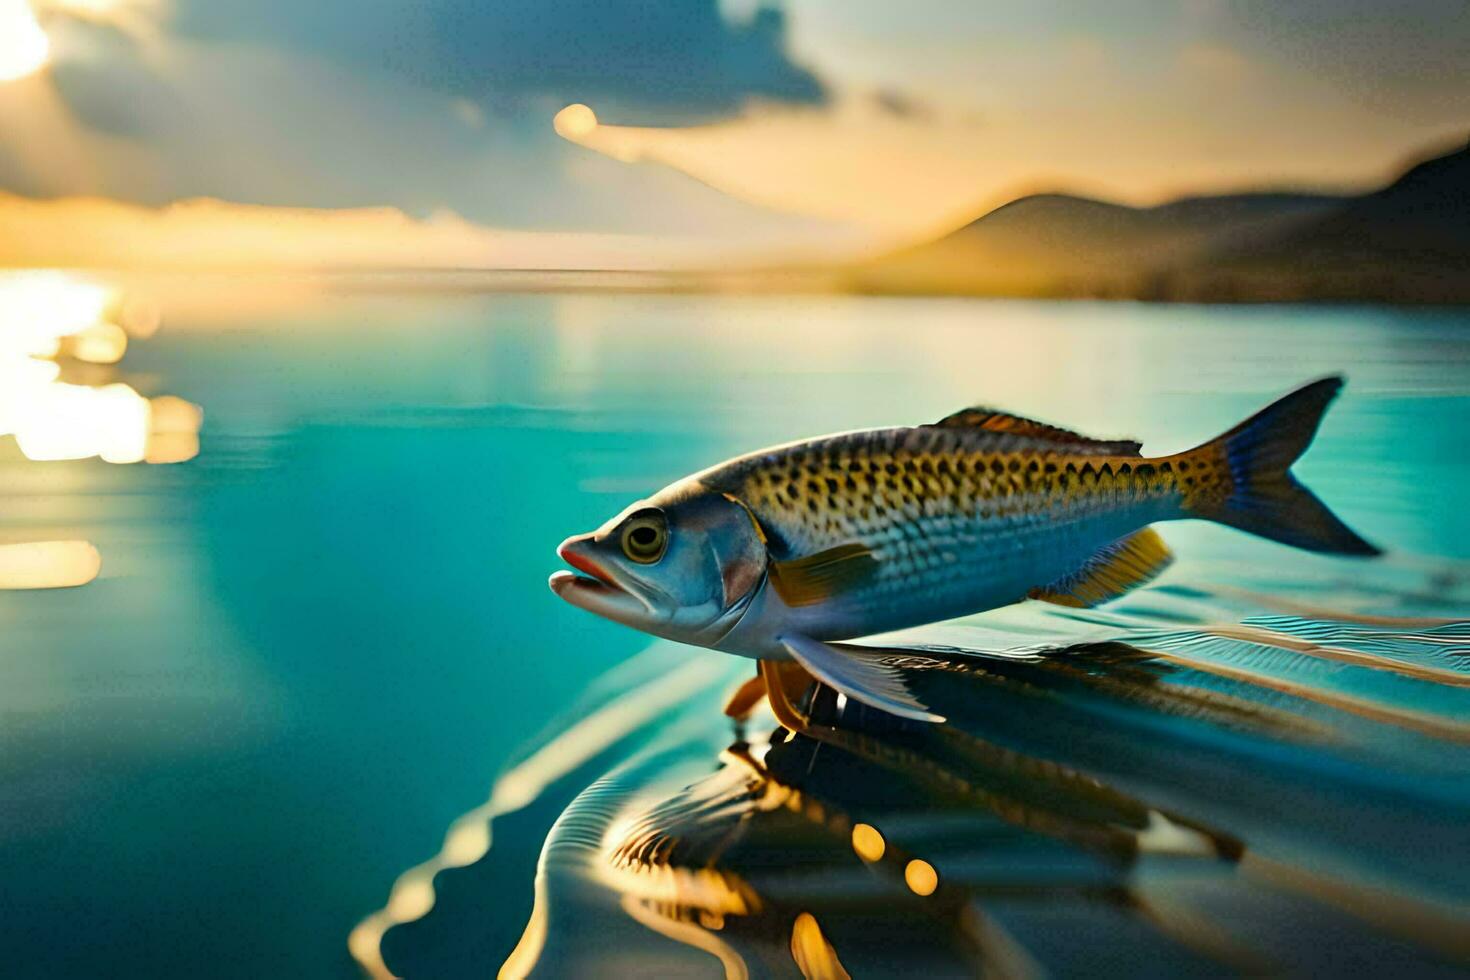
pixel 320 713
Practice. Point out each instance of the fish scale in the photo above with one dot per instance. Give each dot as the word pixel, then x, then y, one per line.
pixel 900 490
pixel 941 510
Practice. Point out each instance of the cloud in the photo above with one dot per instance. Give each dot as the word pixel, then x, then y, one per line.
pixel 893 117
pixel 106 82
pixel 138 19
pixel 899 104
pixel 1409 59
pixel 250 123
pixel 660 62
pixel 891 173
pixel 209 234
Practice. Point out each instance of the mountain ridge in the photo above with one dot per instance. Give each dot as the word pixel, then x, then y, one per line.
pixel 1408 241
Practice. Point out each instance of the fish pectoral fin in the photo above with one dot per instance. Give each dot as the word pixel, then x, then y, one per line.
pixel 816 578
pixel 1065 440
pixel 1120 567
pixel 860 677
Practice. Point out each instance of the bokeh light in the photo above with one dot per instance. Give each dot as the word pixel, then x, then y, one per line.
pixel 101 343
pixel 868 843
pixel 921 877
pixel 48 564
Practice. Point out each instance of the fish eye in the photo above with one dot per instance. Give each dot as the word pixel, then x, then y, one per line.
pixel 645 537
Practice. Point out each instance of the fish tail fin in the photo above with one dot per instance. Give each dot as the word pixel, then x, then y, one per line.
pixel 1243 478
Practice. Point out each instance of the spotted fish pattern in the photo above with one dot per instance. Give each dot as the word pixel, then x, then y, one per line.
pixel 924 500
pixel 983 508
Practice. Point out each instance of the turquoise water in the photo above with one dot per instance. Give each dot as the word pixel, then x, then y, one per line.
pixel 318 649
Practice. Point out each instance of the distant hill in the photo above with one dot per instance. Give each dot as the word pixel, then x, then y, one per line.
pixel 1407 242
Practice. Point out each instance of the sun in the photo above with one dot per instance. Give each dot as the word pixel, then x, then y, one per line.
pixel 24 47
pixel 574 122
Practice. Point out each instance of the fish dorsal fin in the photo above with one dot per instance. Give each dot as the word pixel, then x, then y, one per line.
pixel 860 676
pixel 815 578
pixel 1065 440
pixel 1123 565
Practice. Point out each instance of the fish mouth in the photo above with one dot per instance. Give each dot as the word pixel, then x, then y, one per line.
pixel 570 552
pixel 594 590
pixel 569 584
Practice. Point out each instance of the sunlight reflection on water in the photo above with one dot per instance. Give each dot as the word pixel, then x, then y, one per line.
pixel 47 315
pixel 48 564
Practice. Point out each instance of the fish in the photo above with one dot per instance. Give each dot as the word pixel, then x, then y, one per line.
pixel 781 554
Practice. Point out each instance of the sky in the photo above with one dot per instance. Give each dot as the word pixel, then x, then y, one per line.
pixel 813 123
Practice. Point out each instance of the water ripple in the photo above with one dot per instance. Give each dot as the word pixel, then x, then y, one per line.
pixel 1178 790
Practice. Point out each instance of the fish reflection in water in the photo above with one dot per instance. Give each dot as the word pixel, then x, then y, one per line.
pixel 1280 795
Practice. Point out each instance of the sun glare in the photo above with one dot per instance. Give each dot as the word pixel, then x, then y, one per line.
pixel 137 18
pixel 24 47
pixel 45 315
pixel 574 122
pixel 86 8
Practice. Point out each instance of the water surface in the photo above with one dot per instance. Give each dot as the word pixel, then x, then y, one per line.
pixel 321 653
